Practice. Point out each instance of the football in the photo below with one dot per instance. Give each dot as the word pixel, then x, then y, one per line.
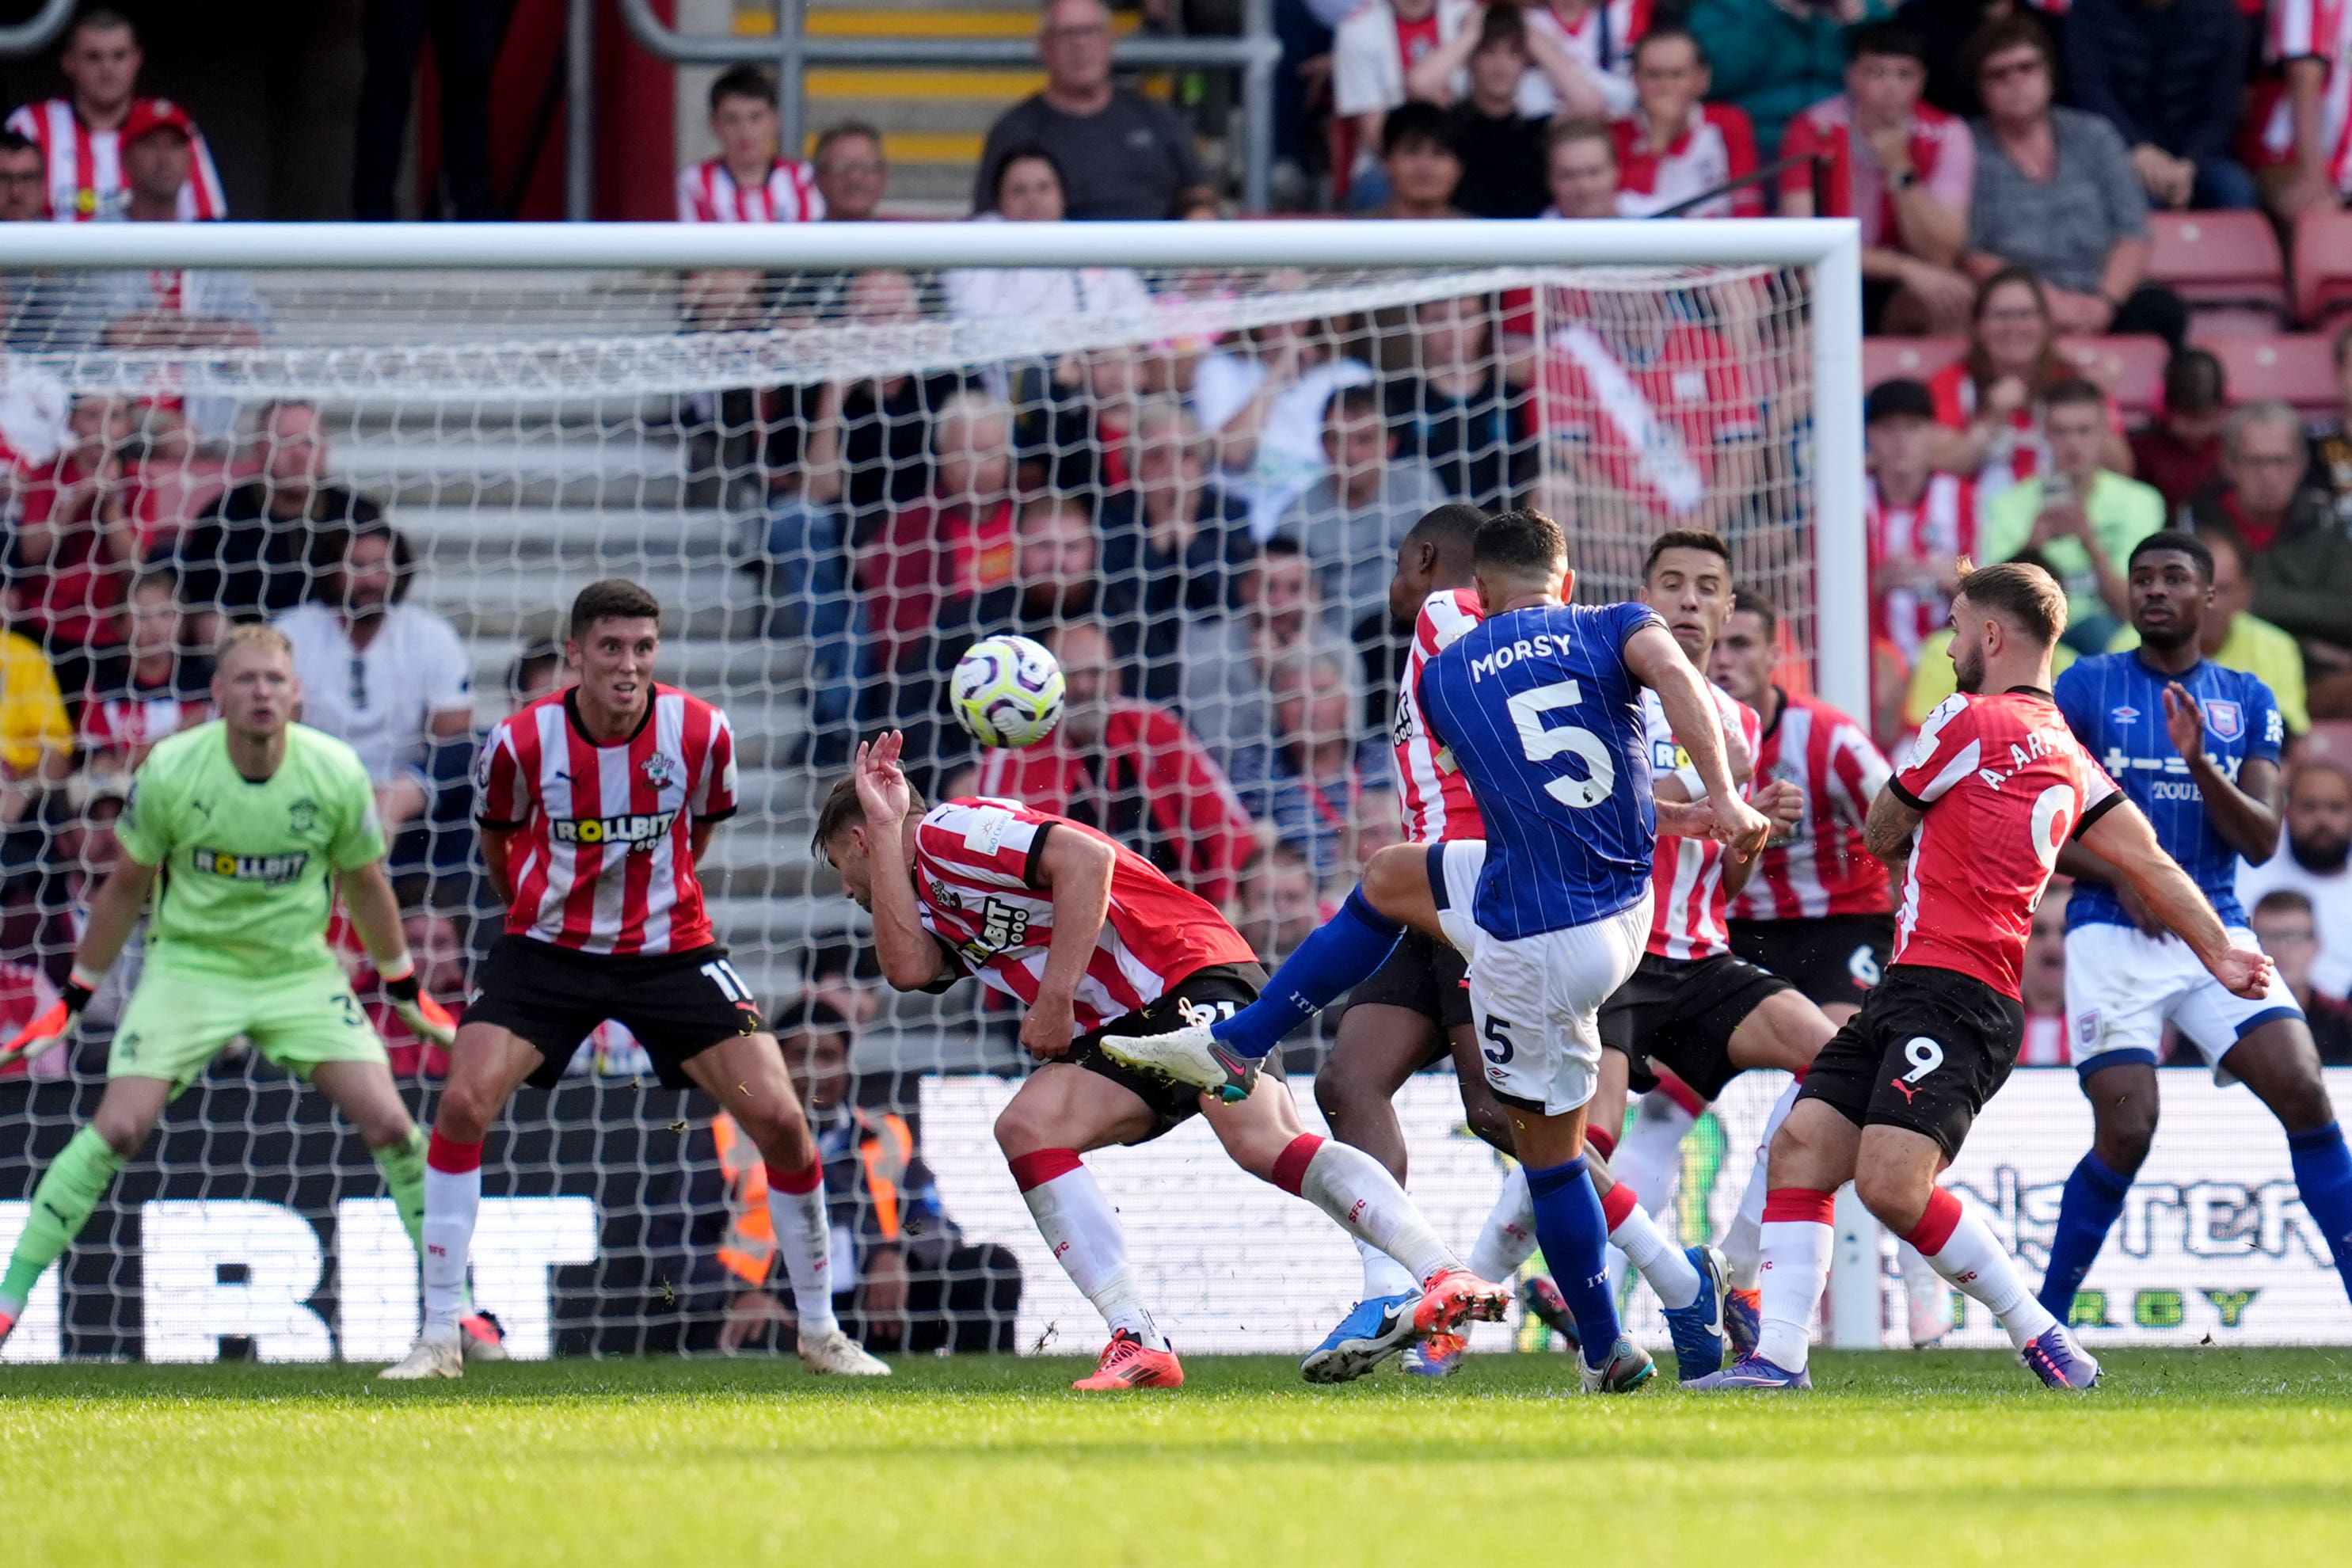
pixel 1007 691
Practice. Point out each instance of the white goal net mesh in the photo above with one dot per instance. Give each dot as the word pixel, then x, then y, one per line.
pixel 1190 483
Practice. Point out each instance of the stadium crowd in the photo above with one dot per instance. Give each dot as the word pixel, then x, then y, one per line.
pixel 1204 533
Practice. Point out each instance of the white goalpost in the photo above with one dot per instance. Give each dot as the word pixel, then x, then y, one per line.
pixel 827 474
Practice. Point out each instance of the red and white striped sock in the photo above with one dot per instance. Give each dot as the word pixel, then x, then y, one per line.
pixel 1364 1199
pixel 1743 1239
pixel 1961 1247
pixel 1636 1235
pixel 1508 1237
pixel 1079 1222
pixel 453 1199
pixel 804 1237
pixel 1798 1231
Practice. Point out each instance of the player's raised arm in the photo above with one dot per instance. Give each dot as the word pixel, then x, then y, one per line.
pixel 2245 810
pixel 908 955
pixel 2122 838
pixel 1075 868
pixel 1658 663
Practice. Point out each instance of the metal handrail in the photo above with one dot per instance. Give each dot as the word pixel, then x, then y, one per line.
pixel 1818 176
pixel 36 32
pixel 1255 55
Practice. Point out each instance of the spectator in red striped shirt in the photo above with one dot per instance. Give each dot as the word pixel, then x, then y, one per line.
pixel 750 181
pixel 82 138
pixel 1903 167
pixel 148 688
pixel 1675 145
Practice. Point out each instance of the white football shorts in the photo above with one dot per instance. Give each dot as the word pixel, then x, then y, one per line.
pixel 1535 1001
pixel 2123 986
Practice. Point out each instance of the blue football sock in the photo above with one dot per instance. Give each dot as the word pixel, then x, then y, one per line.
pixel 1574 1236
pixel 2094 1198
pixel 2323 1174
pixel 1338 953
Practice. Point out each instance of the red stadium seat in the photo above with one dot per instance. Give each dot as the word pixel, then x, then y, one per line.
pixel 2226 265
pixel 1884 359
pixel 2131 369
pixel 2330 740
pixel 2323 266
pixel 2292 367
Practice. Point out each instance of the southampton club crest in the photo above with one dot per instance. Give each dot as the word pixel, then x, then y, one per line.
pixel 657 770
pixel 302 816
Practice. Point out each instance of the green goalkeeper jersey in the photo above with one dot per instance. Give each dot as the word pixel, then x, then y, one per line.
pixel 246 871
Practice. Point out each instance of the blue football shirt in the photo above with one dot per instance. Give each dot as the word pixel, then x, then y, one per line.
pixel 1543 718
pixel 2114 704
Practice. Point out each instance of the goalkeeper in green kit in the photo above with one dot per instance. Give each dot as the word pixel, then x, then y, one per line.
pixel 243 828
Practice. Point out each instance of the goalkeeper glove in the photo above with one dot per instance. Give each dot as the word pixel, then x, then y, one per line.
pixel 55 1027
pixel 429 1019
pixel 425 1017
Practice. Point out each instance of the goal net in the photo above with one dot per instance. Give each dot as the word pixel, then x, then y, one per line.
pixel 837 459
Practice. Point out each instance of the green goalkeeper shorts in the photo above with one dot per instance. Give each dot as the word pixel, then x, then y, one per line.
pixel 177 1022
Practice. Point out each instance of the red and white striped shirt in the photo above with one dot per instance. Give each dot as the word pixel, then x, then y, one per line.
pixel 603 859
pixel 977 870
pixel 1820 868
pixel 2310 30
pixel 1646 410
pixel 1436 795
pixel 1601 40
pixel 1941 524
pixel 1687 901
pixel 1717 143
pixel 706 193
pixel 85 166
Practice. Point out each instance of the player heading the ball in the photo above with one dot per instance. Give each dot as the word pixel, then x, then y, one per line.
pixel 595 804
pixel 244 829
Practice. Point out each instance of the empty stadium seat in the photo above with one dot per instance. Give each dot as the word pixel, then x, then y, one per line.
pixel 2226 265
pixel 2323 267
pixel 1884 359
pixel 2130 368
pixel 2294 367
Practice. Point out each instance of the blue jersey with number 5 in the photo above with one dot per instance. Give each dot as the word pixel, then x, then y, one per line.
pixel 1542 717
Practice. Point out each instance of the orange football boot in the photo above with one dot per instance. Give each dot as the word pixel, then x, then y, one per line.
pixel 1127 1362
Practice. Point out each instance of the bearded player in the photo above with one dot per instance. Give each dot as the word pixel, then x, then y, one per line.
pixel 1818 912
pixel 2195 747
pixel 1994 789
pixel 243 830
pixel 1552 909
pixel 595 804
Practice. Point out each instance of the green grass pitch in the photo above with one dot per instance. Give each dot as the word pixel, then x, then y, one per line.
pixel 2216 1457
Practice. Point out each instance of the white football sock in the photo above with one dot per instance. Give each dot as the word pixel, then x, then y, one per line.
pixel 1799 1234
pixel 453 1198
pixel 1082 1230
pixel 1662 1263
pixel 1360 1194
pixel 1743 1241
pixel 804 1237
pixel 1973 1261
pixel 1649 1156
pixel 1508 1237
pixel 1383 1275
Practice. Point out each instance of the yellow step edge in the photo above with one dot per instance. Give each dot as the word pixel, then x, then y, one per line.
pixel 988 86
pixel 927 146
pixel 761 23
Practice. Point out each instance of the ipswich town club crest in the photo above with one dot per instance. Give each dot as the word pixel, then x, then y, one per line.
pixel 2225 717
pixel 656 770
